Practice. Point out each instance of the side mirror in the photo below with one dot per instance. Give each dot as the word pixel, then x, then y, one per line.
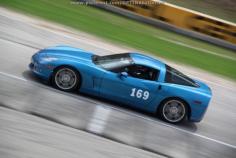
pixel 123 74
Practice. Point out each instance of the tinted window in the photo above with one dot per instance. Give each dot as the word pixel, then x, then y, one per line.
pixel 176 77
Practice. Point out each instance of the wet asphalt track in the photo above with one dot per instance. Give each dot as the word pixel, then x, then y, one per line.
pixel 23 97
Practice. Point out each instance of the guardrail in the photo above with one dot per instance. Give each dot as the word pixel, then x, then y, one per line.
pixel 177 19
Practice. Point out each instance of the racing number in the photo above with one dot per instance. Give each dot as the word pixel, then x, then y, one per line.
pixel 139 94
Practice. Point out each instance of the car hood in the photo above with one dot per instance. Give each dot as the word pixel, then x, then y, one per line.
pixel 68 51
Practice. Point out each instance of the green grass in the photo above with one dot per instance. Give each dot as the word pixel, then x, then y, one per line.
pixel 128 32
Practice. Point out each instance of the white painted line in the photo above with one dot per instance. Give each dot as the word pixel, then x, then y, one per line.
pixel 99 119
pixel 81 40
pixel 174 127
pixel 77 39
pixel 196 48
pixel 199 135
pixel 13 76
pixel 101 113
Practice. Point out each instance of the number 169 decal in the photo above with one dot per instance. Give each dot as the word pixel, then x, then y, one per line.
pixel 139 94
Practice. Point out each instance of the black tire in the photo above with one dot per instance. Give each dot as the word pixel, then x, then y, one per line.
pixel 173 110
pixel 66 78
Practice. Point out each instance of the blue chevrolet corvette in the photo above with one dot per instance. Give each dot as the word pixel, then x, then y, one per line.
pixel 132 79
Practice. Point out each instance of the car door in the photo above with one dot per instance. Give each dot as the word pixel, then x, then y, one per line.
pixel 135 85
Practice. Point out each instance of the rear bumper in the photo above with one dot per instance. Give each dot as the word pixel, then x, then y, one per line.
pixel 197 113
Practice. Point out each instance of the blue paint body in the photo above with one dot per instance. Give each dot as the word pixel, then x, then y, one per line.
pixel 102 83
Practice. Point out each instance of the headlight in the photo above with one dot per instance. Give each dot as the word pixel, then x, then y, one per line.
pixel 49 59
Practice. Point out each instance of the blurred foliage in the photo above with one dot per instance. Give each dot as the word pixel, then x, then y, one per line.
pixel 223 9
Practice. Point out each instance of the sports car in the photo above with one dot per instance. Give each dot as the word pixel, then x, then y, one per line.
pixel 132 79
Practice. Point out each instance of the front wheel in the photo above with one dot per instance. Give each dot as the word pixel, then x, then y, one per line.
pixel 173 110
pixel 66 79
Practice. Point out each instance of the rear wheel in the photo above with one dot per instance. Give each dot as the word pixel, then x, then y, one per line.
pixel 173 110
pixel 66 79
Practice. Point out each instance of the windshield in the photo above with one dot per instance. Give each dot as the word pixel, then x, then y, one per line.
pixel 110 62
pixel 174 76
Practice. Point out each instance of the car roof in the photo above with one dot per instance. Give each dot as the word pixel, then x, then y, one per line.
pixel 146 60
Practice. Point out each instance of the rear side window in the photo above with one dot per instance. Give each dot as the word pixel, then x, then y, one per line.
pixel 176 77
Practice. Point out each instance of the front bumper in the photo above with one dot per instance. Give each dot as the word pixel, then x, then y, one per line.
pixel 39 69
